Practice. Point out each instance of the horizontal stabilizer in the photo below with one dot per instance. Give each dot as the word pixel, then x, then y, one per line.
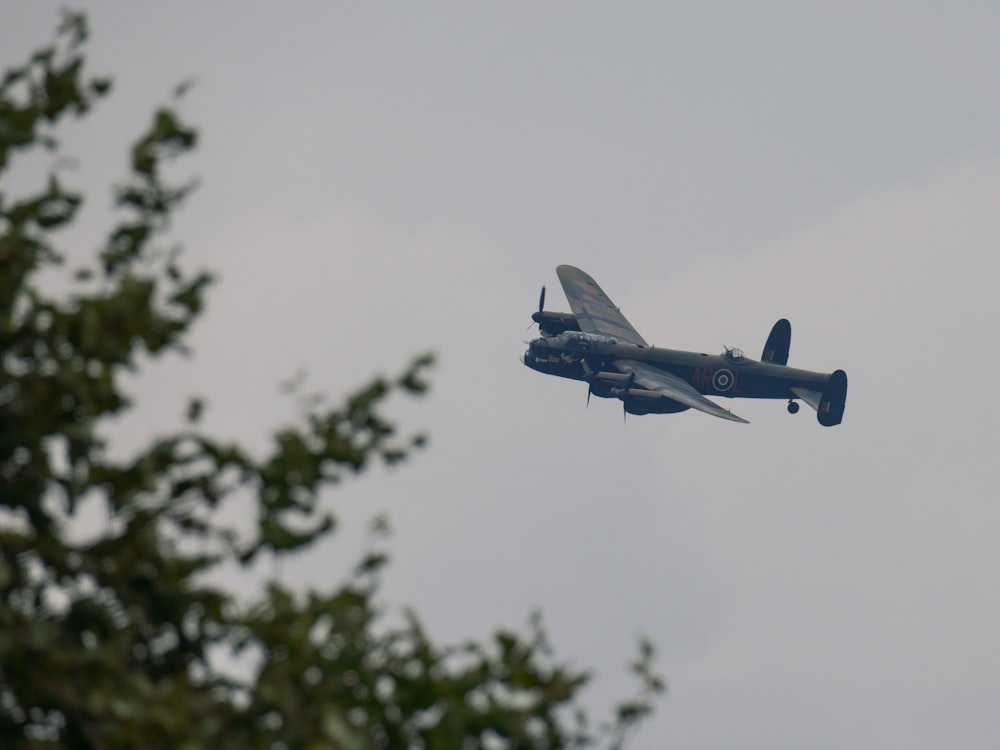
pixel 810 397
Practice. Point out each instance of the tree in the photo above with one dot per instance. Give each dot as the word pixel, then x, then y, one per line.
pixel 116 641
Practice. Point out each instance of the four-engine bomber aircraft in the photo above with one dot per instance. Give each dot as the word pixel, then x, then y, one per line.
pixel 597 345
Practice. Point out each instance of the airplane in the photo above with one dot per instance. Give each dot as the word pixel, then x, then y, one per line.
pixel 596 344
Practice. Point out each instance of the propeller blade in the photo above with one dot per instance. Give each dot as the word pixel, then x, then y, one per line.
pixel 624 394
pixel 537 317
pixel 588 396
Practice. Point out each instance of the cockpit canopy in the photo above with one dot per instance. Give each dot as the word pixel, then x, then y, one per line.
pixel 575 341
pixel 736 355
pixel 583 340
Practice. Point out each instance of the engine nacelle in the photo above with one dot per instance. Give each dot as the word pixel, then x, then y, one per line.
pixel 603 390
pixel 554 323
pixel 613 378
pixel 608 384
pixel 643 405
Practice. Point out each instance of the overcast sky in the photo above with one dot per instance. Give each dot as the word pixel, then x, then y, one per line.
pixel 383 179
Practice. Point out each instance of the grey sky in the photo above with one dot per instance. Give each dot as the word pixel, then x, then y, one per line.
pixel 379 180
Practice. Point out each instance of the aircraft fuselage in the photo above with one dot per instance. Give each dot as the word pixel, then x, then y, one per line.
pixel 732 375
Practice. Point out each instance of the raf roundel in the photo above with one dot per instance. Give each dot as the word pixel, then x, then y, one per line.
pixel 722 380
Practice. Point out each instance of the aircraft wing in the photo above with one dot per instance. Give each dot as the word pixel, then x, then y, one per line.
pixel 594 312
pixel 673 387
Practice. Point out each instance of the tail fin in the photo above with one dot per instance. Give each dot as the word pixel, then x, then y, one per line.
pixel 833 401
pixel 829 404
pixel 778 344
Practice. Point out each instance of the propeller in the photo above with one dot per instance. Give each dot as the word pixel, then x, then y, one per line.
pixel 623 394
pixel 541 307
pixel 628 383
pixel 587 370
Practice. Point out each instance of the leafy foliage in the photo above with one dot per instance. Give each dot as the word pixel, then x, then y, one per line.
pixel 117 641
